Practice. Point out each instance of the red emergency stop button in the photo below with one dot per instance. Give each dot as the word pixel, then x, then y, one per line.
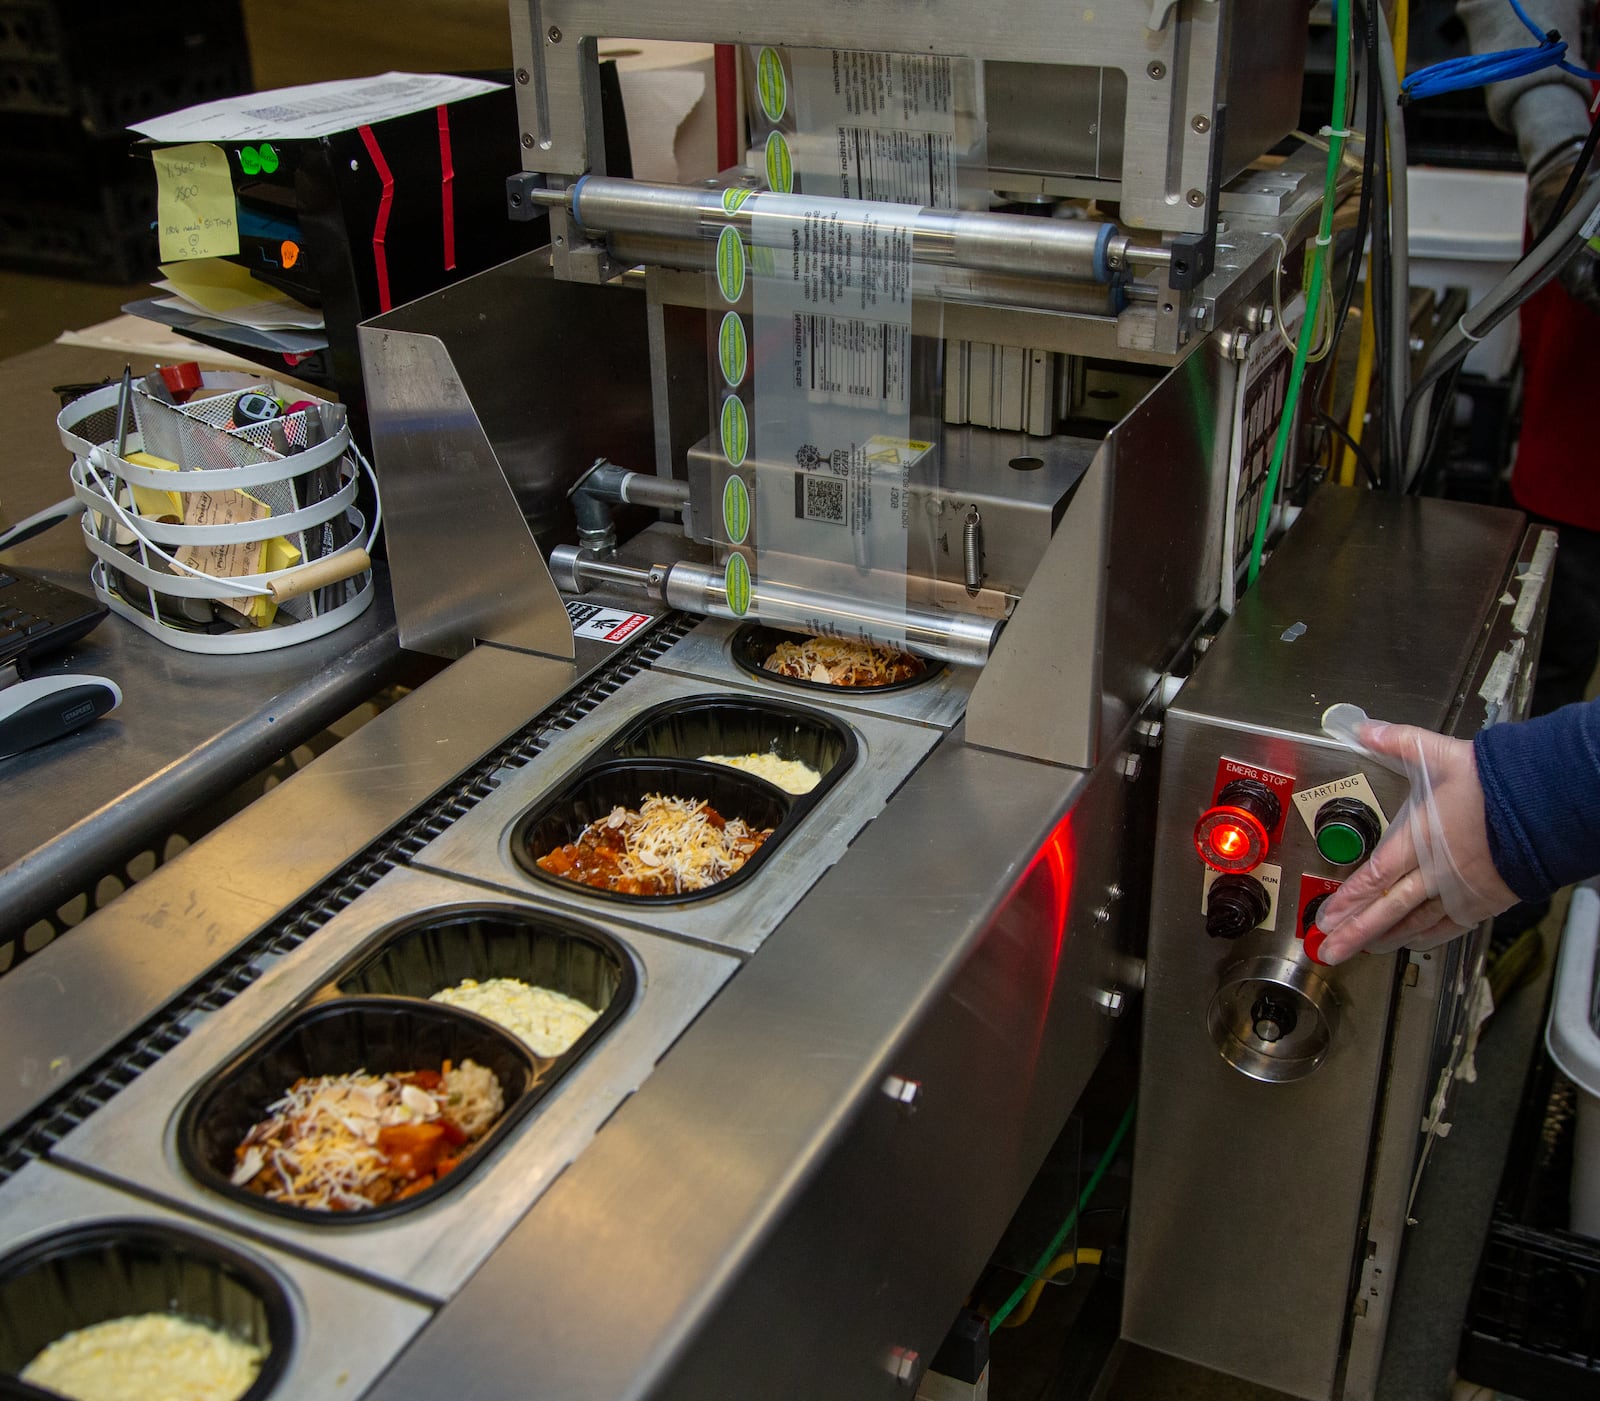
pixel 1234 833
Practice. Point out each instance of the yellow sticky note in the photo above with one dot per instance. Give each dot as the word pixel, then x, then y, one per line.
pixel 195 210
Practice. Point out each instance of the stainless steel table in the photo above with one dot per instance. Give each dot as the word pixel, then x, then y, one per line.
pixel 190 729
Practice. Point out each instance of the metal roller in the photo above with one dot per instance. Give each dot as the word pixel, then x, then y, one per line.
pixel 958 638
pixel 1002 243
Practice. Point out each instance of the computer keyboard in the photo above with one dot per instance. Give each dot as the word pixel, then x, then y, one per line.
pixel 38 616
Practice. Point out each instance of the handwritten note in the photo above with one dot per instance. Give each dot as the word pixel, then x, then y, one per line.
pixel 195 212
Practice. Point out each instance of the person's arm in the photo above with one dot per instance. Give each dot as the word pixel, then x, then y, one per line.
pixel 1548 111
pixel 1541 791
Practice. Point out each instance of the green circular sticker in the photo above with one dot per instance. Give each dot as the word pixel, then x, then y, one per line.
pixel 732 199
pixel 733 350
pixel 736 509
pixel 730 264
pixel 249 160
pixel 735 430
pixel 770 85
pixel 780 169
pixel 269 159
pixel 736 584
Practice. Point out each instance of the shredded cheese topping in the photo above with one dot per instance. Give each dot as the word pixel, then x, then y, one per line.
pixel 834 661
pixel 548 1021
pixel 669 846
pixel 147 1357
pixel 319 1146
pixel 789 774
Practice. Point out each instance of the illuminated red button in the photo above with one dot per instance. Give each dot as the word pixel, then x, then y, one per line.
pixel 1230 838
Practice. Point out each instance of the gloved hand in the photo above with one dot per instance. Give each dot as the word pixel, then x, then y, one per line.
pixel 1431 877
pixel 1580 274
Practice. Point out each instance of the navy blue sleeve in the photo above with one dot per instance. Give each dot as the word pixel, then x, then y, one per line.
pixel 1541 790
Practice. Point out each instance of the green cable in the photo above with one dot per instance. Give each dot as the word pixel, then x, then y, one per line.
pixel 1302 346
pixel 1054 1248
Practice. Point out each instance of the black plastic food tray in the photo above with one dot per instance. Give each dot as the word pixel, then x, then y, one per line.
pixel 701 725
pixel 753 643
pixel 110 1269
pixel 598 788
pixel 441 948
pixel 338 1037
pixel 1533 1320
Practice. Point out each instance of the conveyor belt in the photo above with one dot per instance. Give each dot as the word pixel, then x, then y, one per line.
pixel 34 1136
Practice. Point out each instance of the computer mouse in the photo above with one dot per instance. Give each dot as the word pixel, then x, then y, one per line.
pixel 44 708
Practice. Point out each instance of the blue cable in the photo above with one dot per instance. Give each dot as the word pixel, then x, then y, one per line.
pixel 1479 70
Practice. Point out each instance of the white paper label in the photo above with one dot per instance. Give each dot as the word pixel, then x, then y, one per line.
pixel 1356 785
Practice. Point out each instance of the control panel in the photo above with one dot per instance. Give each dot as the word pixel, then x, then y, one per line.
pixel 1273 1010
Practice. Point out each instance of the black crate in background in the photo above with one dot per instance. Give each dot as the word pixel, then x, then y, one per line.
pixel 106 63
pixel 73 74
pixel 1533 1321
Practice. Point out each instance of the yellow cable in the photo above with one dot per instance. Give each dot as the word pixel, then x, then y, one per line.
pixel 1084 1255
pixel 1400 27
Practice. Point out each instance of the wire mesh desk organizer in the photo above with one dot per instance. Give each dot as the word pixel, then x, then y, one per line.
pixel 216 533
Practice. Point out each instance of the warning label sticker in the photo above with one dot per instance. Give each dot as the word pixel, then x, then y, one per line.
pixel 604 624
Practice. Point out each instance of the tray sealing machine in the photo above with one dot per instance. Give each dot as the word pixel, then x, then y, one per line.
pixel 850 1019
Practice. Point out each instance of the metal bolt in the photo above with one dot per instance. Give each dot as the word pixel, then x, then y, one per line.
pixel 1202 124
pixel 1113 1001
pixel 527 140
pixel 1102 915
pixel 1132 765
pixel 905 1093
pixel 1196 198
pixel 522 75
pixel 1234 344
pixel 355 165
pixel 1202 644
pixel 902 1365
pixel 1149 733
pixel 1156 69
pixel 553 34
pixel 1114 891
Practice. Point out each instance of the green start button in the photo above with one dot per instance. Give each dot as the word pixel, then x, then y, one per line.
pixel 1346 830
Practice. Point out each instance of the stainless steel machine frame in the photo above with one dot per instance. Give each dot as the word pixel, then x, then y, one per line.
pixel 831 1126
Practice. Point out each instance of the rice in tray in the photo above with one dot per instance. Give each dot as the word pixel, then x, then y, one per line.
pixel 833 661
pixel 147 1357
pixel 550 1022
pixel 348 1142
pixel 788 774
pixel 670 846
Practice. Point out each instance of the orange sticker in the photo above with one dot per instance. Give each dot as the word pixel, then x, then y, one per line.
pixel 290 253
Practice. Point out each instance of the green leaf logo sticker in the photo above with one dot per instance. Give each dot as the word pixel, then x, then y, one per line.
pixel 736 584
pixel 730 264
pixel 780 168
pixel 733 350
pixel 736 509
pixel 269 159
pixel 249 160
pixel 735 431
pixel 732 199
pixel 770 85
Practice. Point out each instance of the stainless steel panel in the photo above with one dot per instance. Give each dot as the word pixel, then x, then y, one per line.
pixel 478 436
pixel 346 1332
pixel 706 653
pixel 479 845
pixel 1406 611
pixel 136 955
pixel 1130 573
pixel 429 1252
pixel 1172 71
pixel 774 1206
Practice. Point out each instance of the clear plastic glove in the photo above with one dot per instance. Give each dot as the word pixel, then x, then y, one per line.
pixel 1431 877
pixel 1580 274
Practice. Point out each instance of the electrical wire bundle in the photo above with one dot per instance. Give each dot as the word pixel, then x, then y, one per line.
pixel 1390 440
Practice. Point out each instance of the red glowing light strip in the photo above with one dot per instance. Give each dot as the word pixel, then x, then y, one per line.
pixel 380 225
pixel 447 190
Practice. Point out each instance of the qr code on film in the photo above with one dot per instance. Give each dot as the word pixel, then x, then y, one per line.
pixel 819 498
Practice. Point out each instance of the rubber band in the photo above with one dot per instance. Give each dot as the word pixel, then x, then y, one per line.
pixel 1330 131
pixel 1461 326
pixel 380 226
pixel 447 189
pixel 1323 240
